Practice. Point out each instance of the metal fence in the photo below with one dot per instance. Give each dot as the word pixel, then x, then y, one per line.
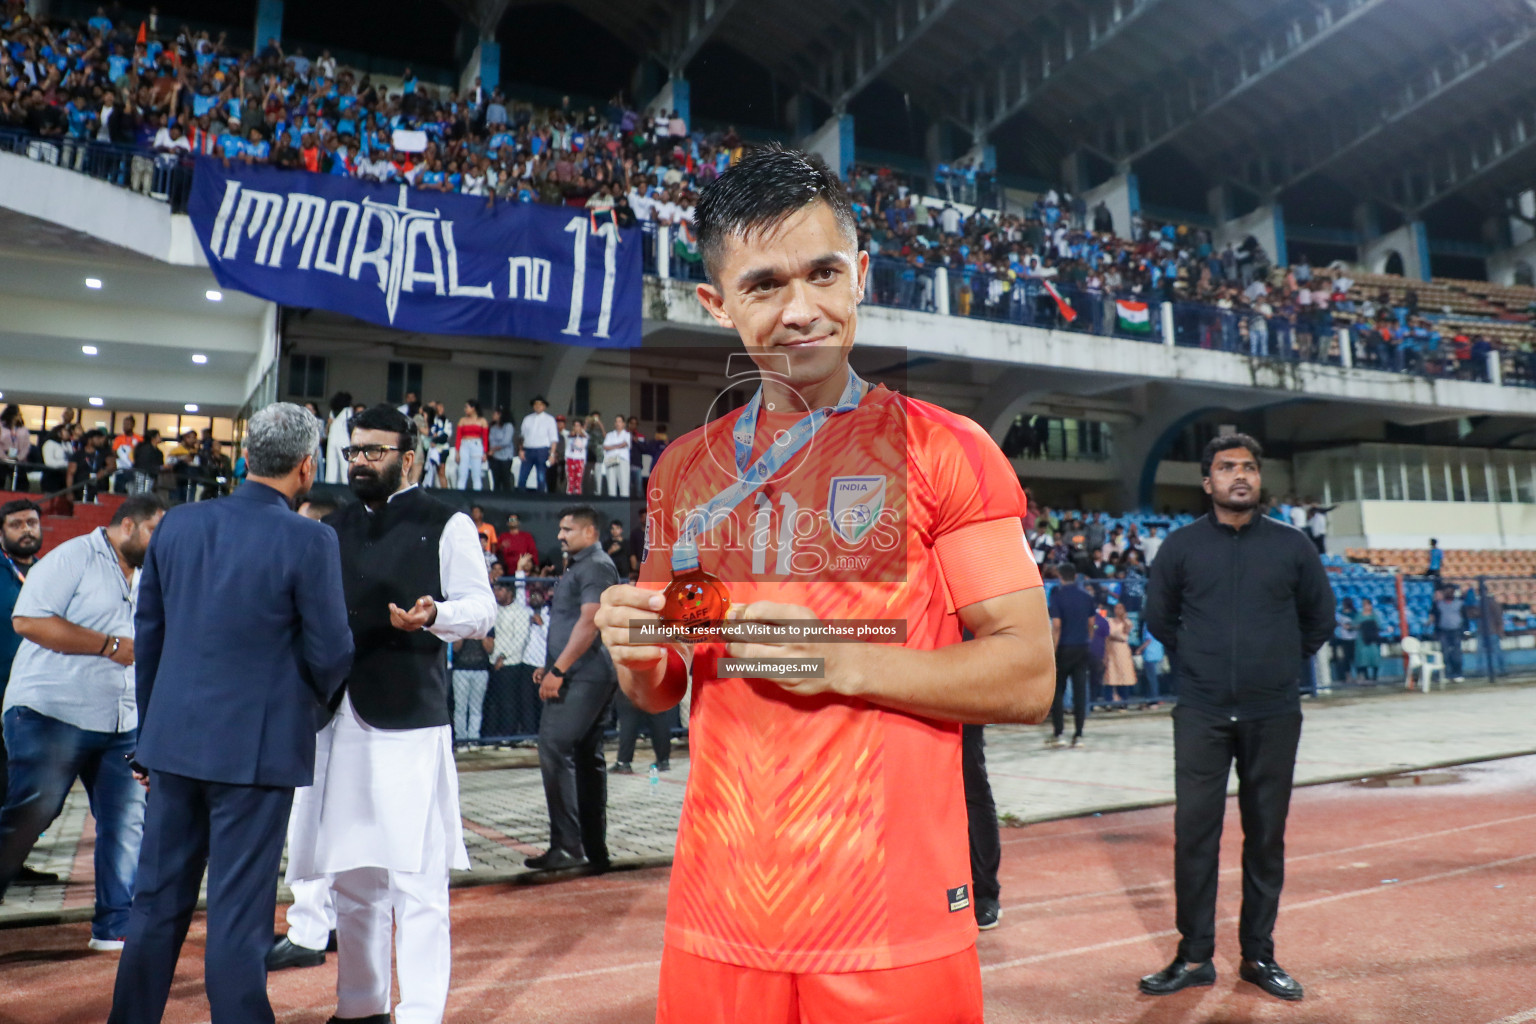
pixel 162 177
pixel 1480 652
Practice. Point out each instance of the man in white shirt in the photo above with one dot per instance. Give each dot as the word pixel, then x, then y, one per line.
pixel 616 448
pixel 540 433
pixel 382 818
pixel 642 204
pixel 509 691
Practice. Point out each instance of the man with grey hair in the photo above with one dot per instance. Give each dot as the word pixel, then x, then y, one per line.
pixel 242 641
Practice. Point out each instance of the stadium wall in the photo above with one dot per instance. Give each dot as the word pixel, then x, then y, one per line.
pixel 1411 524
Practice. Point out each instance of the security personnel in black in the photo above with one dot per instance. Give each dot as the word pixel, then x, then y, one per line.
pixel 576 685
pixel 1240 601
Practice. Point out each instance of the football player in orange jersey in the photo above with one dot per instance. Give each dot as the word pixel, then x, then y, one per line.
pixel 822 871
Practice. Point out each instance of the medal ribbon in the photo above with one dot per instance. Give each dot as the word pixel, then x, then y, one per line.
pixel 750 479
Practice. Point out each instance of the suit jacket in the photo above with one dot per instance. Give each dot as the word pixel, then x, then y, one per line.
pixel 241 640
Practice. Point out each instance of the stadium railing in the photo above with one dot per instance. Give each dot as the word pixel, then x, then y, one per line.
pixel 170 180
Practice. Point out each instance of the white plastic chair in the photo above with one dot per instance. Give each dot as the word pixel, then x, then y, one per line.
pixel 1424 661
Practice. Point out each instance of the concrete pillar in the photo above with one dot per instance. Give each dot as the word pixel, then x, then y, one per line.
pixel 1410 242
pixel 1074 172
pixel 1220 202
pixel 663 251
pixel 833 141
pixel 799 117
pixel 1166 309
pixel 1347 348
pixel 938 144
pixel 1367 217
pixel 983 154
pixel 269 22
pixel 485 64
pixel 941 291
pixel 1495 368
pixel 1006 398
pixel 673 96
pixel 1266 224
pixel 559 366
pixel 1514 264
pixel 646 80
pixel 1122 195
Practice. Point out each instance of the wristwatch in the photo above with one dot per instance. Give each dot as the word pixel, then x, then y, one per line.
pixel 554 670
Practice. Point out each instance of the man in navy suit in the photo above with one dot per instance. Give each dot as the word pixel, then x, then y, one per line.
pixel 242 641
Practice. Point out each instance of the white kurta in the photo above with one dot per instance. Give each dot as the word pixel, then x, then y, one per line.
pixel 337 438
pixel 381 795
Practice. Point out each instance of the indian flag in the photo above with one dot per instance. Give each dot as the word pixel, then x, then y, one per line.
pixel 1133 316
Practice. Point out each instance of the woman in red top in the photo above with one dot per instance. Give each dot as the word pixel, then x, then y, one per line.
pixel 473 436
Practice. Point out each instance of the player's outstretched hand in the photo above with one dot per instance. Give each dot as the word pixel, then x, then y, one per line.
pixel 622 605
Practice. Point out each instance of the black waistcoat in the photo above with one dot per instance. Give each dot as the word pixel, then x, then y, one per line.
pixel 399 680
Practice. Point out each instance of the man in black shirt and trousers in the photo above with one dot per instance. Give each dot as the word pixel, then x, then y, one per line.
pixel 1240 601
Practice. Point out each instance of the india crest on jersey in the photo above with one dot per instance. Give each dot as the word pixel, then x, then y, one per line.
pixel 853 505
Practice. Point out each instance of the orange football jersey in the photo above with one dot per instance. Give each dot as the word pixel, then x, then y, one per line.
pixel 826 834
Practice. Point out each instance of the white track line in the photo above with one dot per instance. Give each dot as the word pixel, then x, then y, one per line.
pixel 1518 1018
pixel 1317 901
pixel 1164 883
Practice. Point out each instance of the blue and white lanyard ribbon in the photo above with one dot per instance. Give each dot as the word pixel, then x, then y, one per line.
pixel 750 479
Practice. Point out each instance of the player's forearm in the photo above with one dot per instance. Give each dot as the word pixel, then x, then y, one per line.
pixel 991 679
pixel 658 688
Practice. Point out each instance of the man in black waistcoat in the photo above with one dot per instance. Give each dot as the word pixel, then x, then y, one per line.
pixel 576 685
pixel 382 819
pixel 1241 601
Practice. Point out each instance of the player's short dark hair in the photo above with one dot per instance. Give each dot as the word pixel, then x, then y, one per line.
pixel 1226 442
pixel 582 514
pixel 139 508
pixel 1066 572
pixel 387 417
pixel 16 505
pixel 763 189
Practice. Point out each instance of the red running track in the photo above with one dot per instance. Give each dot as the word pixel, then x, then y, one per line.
pixel 1404 903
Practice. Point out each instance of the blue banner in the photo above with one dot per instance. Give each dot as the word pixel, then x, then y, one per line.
pixel 433 262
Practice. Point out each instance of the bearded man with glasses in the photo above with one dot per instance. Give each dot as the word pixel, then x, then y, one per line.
pixel 382 820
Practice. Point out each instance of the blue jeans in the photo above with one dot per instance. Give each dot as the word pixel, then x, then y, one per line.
pixel 46 756
pixel 536 461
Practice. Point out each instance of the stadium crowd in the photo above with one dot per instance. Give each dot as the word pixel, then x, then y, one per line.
pixel 1062 264
pixel 168 98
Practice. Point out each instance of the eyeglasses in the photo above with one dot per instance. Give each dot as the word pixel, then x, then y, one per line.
pixel 369 452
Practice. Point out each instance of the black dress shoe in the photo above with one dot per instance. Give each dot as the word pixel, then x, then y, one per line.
pixel 31 876
pixel 1271 977
pixel 285 954
pixel 372 1018
pixel 554 860
pixel 621 768
pixel 1179 975
pixel 987 913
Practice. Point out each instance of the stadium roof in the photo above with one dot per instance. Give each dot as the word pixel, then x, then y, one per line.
pixel 1405 101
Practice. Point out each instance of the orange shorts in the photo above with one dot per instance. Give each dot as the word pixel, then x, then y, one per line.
pixel 696 990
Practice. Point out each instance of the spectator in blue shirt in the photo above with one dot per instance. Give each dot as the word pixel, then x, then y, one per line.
pixel 256 149
pixel 230 146
pixel 101 23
